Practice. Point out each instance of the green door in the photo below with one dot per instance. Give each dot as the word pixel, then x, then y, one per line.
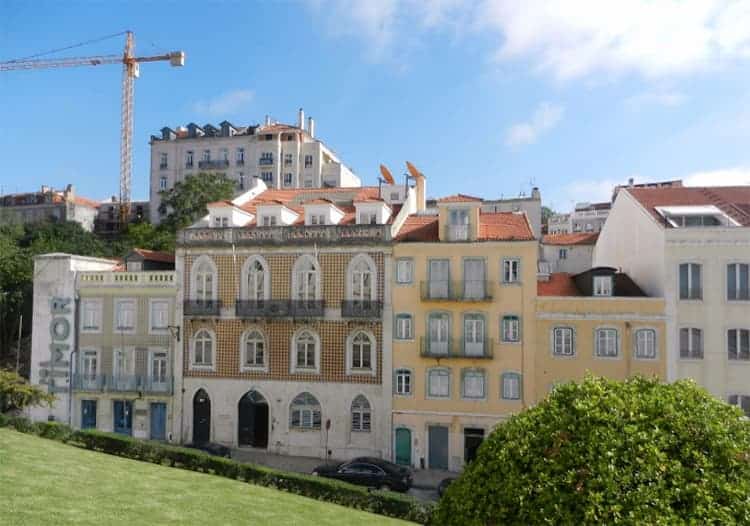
pixel 403 446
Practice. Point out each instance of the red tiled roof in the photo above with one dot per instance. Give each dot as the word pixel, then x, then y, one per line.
pixel 459 198
pixel 578 238
pixel 155 255
pixel 559 284
pixel 85 201
pixel 732 200
pixel 499 226
pixel 220 203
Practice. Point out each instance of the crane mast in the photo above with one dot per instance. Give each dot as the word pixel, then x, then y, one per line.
pixel 130 71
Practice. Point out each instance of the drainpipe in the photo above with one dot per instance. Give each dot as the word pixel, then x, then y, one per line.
pixel 73 357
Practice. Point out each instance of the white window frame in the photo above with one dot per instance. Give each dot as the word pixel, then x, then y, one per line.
pixel 89 378
pixel 739 398
pixel 306 410
pixel 356 278
pixel 151 303
pixel 244 340
pixel 690 277
pixel 189 159
pixel 123 379
pixel 611 335
pixel 97 303
pixel 408 325
pixel 294 368
pixel 309 161
pixel 361 410
pixel 193 347
pixel 163 161
pixel 406 373
pixel 288 179
pixel 245 278
pixel 478 373
pixel 404 271
pixel 511 269
pixel 162 183
pixel 738 342
pixel 637 343
pixel 504 321
pixel 116 315
pixel 506 388
pixel 152 352
pixel 554 342
pixel 603 286
pixel 737 290
pixel 428 383
pixel 350 348
pixel 298 273
pixel 198 280
pixel 691 346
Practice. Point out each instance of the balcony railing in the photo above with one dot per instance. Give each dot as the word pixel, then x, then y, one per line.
pixel 262 308
pixel 465 290
pixel 286 235
pixel 202 307
pixel 458 233
pixel 265 161
pixel 213 165
pixel 454 348
pixel 101 383
pixel 307 308
pixel 361 309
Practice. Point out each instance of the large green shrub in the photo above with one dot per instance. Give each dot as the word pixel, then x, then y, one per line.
pixel 607 452
pixel 17 393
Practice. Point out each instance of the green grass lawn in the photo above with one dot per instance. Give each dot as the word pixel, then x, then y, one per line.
pixel 47 482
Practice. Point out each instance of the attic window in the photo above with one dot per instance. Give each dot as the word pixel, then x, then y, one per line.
pixel 602 285
pixel 695 216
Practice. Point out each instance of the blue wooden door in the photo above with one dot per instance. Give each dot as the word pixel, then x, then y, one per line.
pixel 88 414
pixel 158 421
pixel 123 417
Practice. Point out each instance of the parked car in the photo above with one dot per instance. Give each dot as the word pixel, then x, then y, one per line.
pixel 443 486
pixel 369 471
pixel 211 448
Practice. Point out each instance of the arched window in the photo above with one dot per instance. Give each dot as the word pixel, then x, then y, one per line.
pixel 361 274
pixel 204 280
pixel 361 415
pixel 256 284
pixel 203 349
pixel 305 352
pixel 306 279
pixel 254 350
pixel 361 351
pixel 304 412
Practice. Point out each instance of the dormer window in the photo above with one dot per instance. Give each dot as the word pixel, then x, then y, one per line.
pixel 368 218
pixel 269 221
pixel 317 219
pixel 602 285
pixel 695 216
pixel 458 225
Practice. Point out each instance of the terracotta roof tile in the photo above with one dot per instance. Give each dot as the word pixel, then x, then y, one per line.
pixel 732 200
pixel 578 238
pixel 419 228
pixel 155 255
pixel 504 226
pixel 85 201
pixel 459 198
pixel 559 284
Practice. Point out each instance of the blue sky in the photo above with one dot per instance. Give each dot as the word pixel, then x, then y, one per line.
pixel 484 97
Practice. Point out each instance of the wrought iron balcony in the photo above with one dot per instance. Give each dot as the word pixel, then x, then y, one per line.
pixel 102 383
pixel 465 290
pixel 262 308
pixel 361 309
pixel 213 165
pixel 202 307
pixel 454 348
pixel 307 308
pixel 265 161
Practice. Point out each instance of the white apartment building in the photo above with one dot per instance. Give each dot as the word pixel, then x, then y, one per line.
pixel 570 253
pixel 586 217
pixel 281 155
pixel 691 246
pixel 532 205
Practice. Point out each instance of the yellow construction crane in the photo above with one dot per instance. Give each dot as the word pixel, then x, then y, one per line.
pixel 130 71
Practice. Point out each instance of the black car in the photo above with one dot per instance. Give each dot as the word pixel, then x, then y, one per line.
pixel 369 471
pixel 211 448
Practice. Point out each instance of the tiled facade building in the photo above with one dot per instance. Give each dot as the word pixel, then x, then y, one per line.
pixel 287 321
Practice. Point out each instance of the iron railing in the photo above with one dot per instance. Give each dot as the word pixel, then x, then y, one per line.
pixel 455 348
pixel 213 165
pixel 262 308
pixel 102 383
pixel 464 290
pixel 361 309
pixel 202 307
pixel 265 161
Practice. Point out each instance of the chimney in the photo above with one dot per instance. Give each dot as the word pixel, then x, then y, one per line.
pixel 301 119
pixel 535 194
pixel 268 120
pixel 421 188
pixel 311 127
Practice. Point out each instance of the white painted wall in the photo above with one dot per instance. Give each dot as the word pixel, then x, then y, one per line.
pixel 579 257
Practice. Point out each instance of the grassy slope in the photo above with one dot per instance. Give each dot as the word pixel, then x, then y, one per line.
pixel 46 482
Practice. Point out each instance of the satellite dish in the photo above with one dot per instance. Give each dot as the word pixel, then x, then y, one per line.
pixel 386 174
pixel 413 170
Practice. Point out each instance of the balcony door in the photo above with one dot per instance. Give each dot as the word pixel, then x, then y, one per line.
pixel 458 225
pixel 474 279
pixel 122 366
pixel 88 369
pixel 438 335
pixel 439 278
pixel 159 373
pixel 473 335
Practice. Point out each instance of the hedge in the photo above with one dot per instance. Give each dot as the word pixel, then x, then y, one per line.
pixel 381 502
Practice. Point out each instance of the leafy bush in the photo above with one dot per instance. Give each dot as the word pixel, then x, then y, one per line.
pixel 16 393
pixel 383 503
pixel 607 452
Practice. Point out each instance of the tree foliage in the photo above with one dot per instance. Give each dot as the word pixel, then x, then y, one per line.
pixel 607 452
pixel 16 393
pixel 186 201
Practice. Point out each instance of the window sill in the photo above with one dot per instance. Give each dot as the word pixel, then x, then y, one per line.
pixel 608 358
pixel 431 397
pixel 304 429
pixel 302 370
pixel 196 367
pixel 398 395
pixel 510 399
pixel 564 356
pixel 472 399
pixel 253 369
pixel 511 342
pixel 361 372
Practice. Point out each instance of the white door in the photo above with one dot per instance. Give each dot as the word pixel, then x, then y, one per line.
pixel 474 336
pixel 438 334
pixel 159 376
pixel 474 279
pixel 122 376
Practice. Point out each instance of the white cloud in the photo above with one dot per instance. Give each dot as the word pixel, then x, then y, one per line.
pixel 224 104
pixel 665 98
pixel 737 176
pixel 546 116
pixel 565 38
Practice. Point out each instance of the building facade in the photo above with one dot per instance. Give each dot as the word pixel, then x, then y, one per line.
pixel 586 217
pixel 599 322
pixel 48 205
pixel 531 206
pixel 570 253
pixel 282 156
pixel 287 310
pixel 692 247
pixel 463 341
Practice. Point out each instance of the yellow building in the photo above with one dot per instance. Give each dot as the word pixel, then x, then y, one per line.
pixel 463 295
pixel 598 321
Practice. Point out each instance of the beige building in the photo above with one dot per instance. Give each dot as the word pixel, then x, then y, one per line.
pixel 464 285
pixel 599 322
pixel 48 204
